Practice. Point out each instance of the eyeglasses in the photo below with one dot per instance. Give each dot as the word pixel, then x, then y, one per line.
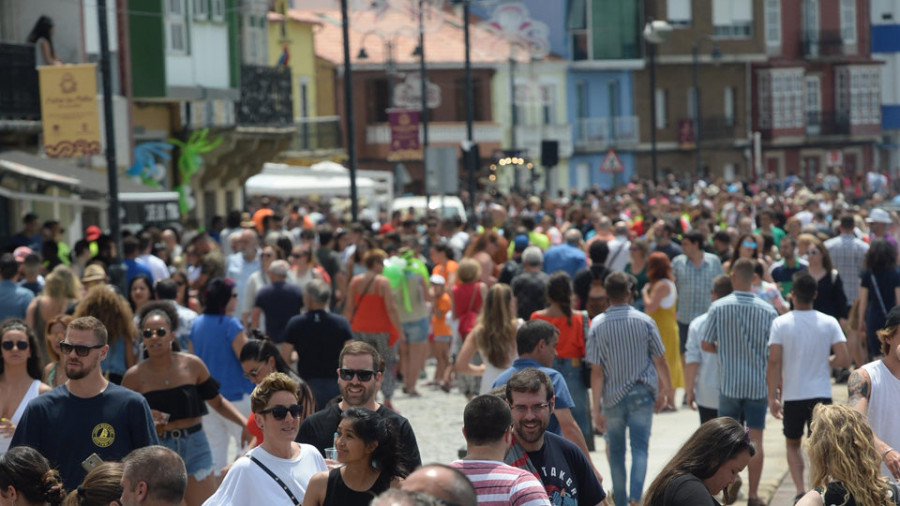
pixel 523 409
pixel 813 252
pixel 748 244
pixel 9 345
pixel 160 332
pixel 362 374
pixel 80 349
pixel 254 373
pixel 280 412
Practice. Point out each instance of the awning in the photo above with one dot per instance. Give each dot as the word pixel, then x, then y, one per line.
pixel 295 185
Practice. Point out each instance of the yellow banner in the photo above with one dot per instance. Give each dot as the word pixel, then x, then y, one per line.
pixel 69 110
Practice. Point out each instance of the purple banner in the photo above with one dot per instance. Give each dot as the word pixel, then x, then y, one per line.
pixel 404 125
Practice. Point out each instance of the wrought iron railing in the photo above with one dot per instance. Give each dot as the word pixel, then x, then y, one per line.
pixel 265 96
pixel 822 43
pixel 20 95
pixel 318 134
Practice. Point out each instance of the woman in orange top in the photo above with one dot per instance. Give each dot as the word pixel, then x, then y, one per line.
pixel 373 316
pixel 441 333
pixel 570 347
pixel 444 264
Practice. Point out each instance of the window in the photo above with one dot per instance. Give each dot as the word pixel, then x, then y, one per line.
pixel 548 104
pixel 661 119
pixel 581 99
pixel 578 29
pixel 813 103
pixel 848 21
pixel 764 100
pixel 201 10
pixel 729 106
pixel 733 18
pixel 217 10
pixel 678 12
pixel 781 99
pixel 176 27
pixel 811 26
pixel 772 13
pixel 858 95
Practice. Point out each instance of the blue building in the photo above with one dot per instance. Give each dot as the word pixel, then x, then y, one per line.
pixel 885 19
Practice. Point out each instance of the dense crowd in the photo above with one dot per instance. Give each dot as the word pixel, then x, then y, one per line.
pixel 559 318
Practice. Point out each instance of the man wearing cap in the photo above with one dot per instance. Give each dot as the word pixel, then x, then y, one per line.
pixel 14 299
pixel 91 234
pixel 878 221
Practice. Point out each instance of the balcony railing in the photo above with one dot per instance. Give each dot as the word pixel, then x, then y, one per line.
pixel 718 127
pixel 441 133
pixel 822 43
pixel 265 96
pixel 594 134
pixel 20 95
pixel 314 134
pixel 819 123
pixel 532 135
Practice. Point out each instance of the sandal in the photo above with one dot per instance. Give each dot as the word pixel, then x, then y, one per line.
pixel 756 501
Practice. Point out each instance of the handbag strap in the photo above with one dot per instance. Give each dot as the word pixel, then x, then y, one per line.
pixel 586 325
pixel 276 478
pixel 878 294
pixel 475 293
pixel 361 295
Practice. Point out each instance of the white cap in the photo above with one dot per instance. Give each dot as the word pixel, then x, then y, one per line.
pixel 437 279
pixel 879 216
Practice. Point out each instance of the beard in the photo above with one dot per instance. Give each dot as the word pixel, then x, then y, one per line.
pixel 531 434
pixel 81 372
pixel 358 399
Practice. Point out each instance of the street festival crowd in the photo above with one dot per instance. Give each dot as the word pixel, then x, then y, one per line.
pixel 241 362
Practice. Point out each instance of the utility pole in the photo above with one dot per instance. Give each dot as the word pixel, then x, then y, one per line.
pixel 424 88
pixel 348 111
pixel 471 162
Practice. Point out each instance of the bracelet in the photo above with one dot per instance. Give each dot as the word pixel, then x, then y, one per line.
pixel 884 454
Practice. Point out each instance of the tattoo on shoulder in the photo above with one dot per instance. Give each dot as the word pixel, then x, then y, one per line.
pixel 857 387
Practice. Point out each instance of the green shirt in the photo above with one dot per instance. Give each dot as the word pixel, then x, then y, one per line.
pixel 776 232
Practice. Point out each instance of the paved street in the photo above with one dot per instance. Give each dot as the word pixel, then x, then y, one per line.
pixel 436 418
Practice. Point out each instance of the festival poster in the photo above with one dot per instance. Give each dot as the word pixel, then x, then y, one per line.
pixel 69 110
pixel 404 125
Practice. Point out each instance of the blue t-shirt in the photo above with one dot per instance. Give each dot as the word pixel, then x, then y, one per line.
pixel 560 389
pixel 68 429
pixel 564 471
pixel 133 268
pixel 115 359
pixel 212 335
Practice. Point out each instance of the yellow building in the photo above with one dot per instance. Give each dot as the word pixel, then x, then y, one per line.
pixel 293 34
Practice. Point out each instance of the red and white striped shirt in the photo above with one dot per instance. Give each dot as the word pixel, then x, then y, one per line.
pixel 498 484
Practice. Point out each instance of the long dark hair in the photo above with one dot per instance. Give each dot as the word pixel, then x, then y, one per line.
pixel 714 443
pixel 371 427
pixel 33 364
pixel 881 257
pixel 559 290
pixel 148 281
pixel 218 295
pixel 26 470
pixel 259 348
pixel 41 30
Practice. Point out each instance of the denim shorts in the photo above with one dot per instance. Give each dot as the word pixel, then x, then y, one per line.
pixel 417 331
pixel 753 410
pixel 194 451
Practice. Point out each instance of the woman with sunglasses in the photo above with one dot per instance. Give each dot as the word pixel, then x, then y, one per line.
pixel 368 446
pixel 183 295
pixel 748 246
pixel 178 387
pixel 20 376
pixel 830 298
pixel 27 479
pixel 54 375
pixel 278 470
pixel 304 267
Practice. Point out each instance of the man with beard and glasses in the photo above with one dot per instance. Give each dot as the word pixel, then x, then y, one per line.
pixel 359 379
pixel 557 462
pixel 88 414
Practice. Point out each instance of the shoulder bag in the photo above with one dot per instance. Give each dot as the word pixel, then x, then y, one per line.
pixel 276 478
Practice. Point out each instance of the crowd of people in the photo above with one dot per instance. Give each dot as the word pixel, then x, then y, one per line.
pixel 557 318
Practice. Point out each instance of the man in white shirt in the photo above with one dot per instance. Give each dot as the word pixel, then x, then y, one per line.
pixel 156 265
pixel 701 370
pixel 804 346
pixel 619 255
pixel 242 264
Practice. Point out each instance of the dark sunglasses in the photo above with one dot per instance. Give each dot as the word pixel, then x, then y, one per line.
pixel 279 412
pixel 22 345
pixel 254 373
pixel 160 332
pixel 80 349
pixel 362 374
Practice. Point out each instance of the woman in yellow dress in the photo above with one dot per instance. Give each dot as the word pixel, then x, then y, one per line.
pixel 659 296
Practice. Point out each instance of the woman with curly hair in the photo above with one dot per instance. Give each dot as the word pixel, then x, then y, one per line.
pixel 115 313
pixel 708 462
pixel 879 291
pixel 844 465
pixel 61 290
pixel 659 296
pixel 101 487
pixel 494 338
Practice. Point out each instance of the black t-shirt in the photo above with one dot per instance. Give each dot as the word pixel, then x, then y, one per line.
pixel 671 250
pixel 565 473
pixel 530 289
pixel 68 429
pixel 510 270
pixel 279 302
pixel 318 336
pixel 688 490
pixel 319 428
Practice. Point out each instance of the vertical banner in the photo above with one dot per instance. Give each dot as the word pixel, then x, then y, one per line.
pixel 404 125
pixel 69 110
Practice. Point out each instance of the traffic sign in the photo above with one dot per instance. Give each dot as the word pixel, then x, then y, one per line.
pixel 611 163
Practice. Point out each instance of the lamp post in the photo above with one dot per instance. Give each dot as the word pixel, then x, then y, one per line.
pixel 424 87
pixel 698 134
pixel 348 105
pixel 655 32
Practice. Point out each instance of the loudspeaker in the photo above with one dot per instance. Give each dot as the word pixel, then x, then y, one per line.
pixel 549 153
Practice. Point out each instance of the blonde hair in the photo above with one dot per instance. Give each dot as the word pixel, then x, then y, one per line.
pixel 61 283
pixel 495 329
pixel 842 448
pixel 102 485
pixel 271 384
pixel 112 310
pixel 469 270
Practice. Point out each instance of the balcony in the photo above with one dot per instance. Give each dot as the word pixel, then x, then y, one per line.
pixel 531 136
pixel 266 99
pixel 598 134
pixel 318 134
pixel 441 133
pixel 822 43
pixel 20 94
pixel 718 128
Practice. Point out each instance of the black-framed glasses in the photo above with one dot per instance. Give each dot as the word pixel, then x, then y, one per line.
pixel 279 412
pixel 9 345
pixel 160 332
pixel 254 373
pixel 523 409
pixel 362 374
pixel 80 349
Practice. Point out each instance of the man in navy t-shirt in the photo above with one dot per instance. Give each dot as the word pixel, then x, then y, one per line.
pixel 279 301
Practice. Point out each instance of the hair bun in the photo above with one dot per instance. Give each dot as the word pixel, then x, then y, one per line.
pixel 53 487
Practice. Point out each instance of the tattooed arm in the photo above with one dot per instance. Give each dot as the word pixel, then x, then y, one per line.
pixel 859 387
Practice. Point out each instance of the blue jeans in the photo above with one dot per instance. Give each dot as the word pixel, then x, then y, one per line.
pixel 634 412
pixel 579 394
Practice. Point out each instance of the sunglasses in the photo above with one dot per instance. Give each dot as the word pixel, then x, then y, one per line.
pixel 254 373
pixel 813 252
pixel 80 349
pixel 160 332
pixel 280 412
pixel 9 345
pixel 748 244
pixel 362 374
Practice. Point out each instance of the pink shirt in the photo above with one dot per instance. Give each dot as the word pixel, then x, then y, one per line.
pixel 498 484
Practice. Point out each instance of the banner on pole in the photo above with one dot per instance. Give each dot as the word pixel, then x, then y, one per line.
pixel 69 110
pixel 404 124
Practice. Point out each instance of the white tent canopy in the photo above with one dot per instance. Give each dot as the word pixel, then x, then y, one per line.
pixel 278 182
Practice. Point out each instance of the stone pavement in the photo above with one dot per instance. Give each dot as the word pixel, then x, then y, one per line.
pixel 436 418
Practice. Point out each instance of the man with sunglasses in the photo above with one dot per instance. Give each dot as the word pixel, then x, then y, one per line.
pixel 88 414
pixel 359 379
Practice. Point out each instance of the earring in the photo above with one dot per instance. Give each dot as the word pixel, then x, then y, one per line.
pixel 374 464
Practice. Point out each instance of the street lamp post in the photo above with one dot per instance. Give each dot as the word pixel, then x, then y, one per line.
pixel 348 105
pixel 698 134
pixel 655 32
pixel 424 87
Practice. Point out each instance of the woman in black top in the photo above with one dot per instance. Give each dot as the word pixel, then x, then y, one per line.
pixel 368 446
pixel 707 463
pixel 830 297
pixel 879 291
pixel 177 387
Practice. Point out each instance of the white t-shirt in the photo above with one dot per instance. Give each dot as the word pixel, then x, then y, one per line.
pixel 806 338
pixel 247 484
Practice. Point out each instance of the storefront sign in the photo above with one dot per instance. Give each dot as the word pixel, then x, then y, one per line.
pixel 69 110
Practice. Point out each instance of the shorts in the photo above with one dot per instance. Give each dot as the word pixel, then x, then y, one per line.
pixel 682 336
pixel 443 339
pixel 416 332
pixel 753 410
pixel 194 451
pixel 799 413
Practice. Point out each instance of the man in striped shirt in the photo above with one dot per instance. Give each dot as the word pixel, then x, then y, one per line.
pixel 694 273
pixel 627 368
pixel 487 427
pixel 737 329
pixel 848 254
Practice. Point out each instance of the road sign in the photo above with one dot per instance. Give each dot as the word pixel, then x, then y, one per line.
pixel 612 163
